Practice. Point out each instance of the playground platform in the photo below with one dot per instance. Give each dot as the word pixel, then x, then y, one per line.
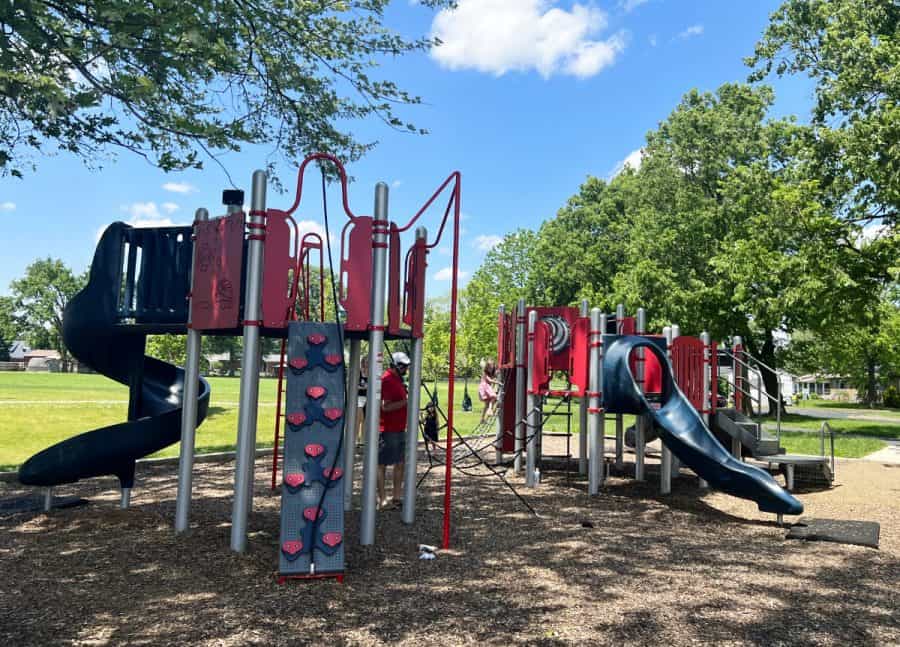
pixel 675 569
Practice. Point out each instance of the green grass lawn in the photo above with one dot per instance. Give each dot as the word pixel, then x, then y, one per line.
pixel 40 409
pixel 882 412
pixel 798 442
pixel 840 425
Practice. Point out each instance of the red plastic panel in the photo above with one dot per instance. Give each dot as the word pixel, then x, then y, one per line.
pixel 714 377
pixel 279 259
pixel 356 273
pixel 393 297
pixel 414 289
pixel 579 356
pixel 216 287
pixel 687 362
pixel 652 370
pixel 506 355
pixel 628 326
pixel 540 377
pixel 509 413
pixel 566 318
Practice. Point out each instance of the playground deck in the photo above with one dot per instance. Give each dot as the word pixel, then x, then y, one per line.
pixel 682 570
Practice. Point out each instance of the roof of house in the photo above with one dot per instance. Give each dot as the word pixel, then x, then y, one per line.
pixel 18 349
pixel 39 352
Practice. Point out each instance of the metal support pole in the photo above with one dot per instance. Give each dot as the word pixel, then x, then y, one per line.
pixel 641 421
pixel 665 457
pixel 351 421
pixel 737 378
pixel 376 365
pixel 189 405
pixel 519 429
pixel 676 463
pixel 499 421
pixel 408 514
pixel 595 387
pixel 620 422
pixel 583 414
pixel 249 394
pixel 125 499
pixel 709 389
pixel 534 420
pixel 48 499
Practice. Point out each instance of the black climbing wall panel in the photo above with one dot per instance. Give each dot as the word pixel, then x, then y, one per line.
pixel 312 538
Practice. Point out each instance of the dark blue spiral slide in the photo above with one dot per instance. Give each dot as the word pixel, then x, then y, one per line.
pixel 137 286
pixel 683 430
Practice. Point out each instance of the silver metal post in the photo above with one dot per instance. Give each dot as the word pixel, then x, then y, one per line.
pixel 376 365
pixel 351 421
pixel 641 420
pixel 737 378
pixel 48 499
pixel 189 405
pixel 408 514
pixel 665 457
pixel 499 421
pixel 249 394
pixel 583 415
pixel 709 389
pixel 676 463
pixel 519 421
pixel 534 420
pixel 125 499
pixel 595 385
pixel 620 423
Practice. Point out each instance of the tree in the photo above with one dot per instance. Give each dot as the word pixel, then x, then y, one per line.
pixel 852 51
pixel 175 81
pixel 9 326
pixel 503 278
pixel 41 297
pixel 436 345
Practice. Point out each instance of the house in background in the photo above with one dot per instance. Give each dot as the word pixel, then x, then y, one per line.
pixel 827 387
pixel 46 361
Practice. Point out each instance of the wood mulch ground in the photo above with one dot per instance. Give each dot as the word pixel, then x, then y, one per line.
pixel 653 570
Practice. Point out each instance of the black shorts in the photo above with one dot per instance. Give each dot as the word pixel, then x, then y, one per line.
pixel 391 447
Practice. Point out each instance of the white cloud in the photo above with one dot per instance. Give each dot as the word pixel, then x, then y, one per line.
pixel 631 5
pixel 170 207
pixel 486 243
pixel 396 183
pixel 632 161
pixel 446 274
pixel 690 32
pixel 872 232
pixel 179 187
pixel 7 206
pixel 499 36
pixel 653 40
pixel 146 214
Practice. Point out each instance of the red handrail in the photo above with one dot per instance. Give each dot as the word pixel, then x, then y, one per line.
pixel 343 175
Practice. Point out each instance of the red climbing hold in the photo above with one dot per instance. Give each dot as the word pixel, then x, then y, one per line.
pixel 334 474
pixel 332 414
pixel 298 363
pixel 315 392
pixel 310 514
pixel 316 339
pixel 333 360
pixel 332 539
pixel 293 546
pixel 296 418
pixel 313 450
pixel 295 479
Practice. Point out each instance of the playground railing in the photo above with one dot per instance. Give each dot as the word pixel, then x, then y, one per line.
pixel 825 426
pixel 761 390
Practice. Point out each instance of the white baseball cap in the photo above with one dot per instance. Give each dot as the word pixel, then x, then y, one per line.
pixel 400 359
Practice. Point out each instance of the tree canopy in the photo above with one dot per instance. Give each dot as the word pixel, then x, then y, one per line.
pixel 179 82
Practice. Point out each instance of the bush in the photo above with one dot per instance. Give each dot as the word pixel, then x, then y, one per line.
pixel 891 397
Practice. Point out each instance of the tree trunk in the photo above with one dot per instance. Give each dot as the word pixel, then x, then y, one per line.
pixel 871 391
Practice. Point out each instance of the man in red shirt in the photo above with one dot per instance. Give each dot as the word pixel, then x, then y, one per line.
pixel 392 440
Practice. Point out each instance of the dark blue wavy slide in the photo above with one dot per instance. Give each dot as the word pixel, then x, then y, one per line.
pixel 151 267
pixel 683 430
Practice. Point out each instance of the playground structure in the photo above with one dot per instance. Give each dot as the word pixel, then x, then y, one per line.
pixel 669 381
pixel 251 275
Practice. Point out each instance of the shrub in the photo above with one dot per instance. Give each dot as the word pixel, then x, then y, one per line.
pixel 891 397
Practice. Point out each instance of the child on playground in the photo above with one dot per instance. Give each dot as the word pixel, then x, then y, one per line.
pixel 486 392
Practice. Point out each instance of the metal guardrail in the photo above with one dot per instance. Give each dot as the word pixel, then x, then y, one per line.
pixel 822 429
pixel 760 385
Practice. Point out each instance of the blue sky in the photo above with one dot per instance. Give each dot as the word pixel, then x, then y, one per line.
pixel 526 98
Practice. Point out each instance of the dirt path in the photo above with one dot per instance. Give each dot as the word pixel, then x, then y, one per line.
pixel 678 570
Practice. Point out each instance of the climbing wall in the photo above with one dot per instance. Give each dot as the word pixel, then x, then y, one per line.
pixel 312 502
